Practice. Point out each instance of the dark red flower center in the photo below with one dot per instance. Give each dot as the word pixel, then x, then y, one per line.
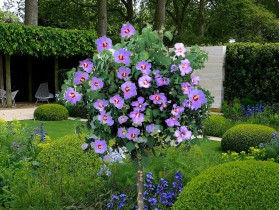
pixel 182 134
pixel 99 146
pixel 101 105
pixel 180 50
pixel 105 117
pixel 126 31
pixel 185 88
pixel 140 106
pixel 121 57
pixel 143 67
pixel 85 65
pixel 137 115
pixel 195 98
pixel 72 95
pixel 127 89
pixel 157 97
pixel 82 79
pixel 96 84
pixel 105 44
pixel 124 74
pixel 146 82
pixel 116 101
pixel 133 135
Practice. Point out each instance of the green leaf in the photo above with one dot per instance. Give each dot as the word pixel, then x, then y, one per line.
pixel 130 146
pixel 143 56
pixel 148 115
pixel 145 161
pixel 168 35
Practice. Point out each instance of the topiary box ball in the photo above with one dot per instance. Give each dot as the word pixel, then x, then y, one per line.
pixel 242 137
pixel 51 112
pixel 247 185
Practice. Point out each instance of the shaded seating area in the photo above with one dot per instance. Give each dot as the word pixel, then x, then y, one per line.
pixel 3 97
pixel 43 94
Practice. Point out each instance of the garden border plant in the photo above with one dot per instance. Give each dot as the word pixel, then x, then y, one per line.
pixel 139 95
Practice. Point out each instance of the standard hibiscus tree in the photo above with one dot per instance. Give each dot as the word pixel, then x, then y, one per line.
pixel 140 95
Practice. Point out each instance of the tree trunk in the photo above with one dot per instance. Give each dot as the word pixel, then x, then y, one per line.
pixel 140 183
pixel 200 21
pixel 102 17
pixel 31 12
pixel 160 14
pixel 1 73
pixel 129 9
pixel 8 81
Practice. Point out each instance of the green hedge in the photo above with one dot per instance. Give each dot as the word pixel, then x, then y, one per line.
pixel 45 41
pixel 251 70
pixel 244 185
pixel 216 125
pixel 51 112
pixel 242 137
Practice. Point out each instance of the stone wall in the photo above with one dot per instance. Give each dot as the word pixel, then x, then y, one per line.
pixel 212 76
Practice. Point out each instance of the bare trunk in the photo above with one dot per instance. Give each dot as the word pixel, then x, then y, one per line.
pixel 102 17
pixel 160 14
pixel 140 183
pixel 129 9
pixel 200 21
pixel 8 80
pixel 1 73
pixel 31 12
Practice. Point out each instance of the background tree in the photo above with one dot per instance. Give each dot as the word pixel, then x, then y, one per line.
pixel 159 14
pixel 31 12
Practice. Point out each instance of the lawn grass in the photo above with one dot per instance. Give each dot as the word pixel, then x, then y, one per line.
pixel 55 129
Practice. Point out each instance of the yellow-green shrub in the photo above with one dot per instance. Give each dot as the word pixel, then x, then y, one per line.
pixel 244 185
pixel 51 112
pixel 216 125
pixel 242 137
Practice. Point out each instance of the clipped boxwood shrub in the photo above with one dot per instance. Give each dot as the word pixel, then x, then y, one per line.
pixel 216 125
pixel 246 185
pixel 242 137
pixel 51 112
pixel 66 178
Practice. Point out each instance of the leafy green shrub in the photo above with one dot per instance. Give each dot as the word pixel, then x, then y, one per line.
pixel 232 110
pixel 51 112
pixel 216 125
pixel 246 185
pixel 242 137
pixel 67 176
pixel 251 70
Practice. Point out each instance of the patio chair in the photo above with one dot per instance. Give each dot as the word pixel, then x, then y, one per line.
pixel 2 95
pixel 43 93
pixel 14 93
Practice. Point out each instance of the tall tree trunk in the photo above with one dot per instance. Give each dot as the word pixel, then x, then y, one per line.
pixel 102 17
pixel 31 12
pixel 129 9
pixel 200 21
pixel 160 14
pixel 140 182
pixel 1 73
pixel 8 80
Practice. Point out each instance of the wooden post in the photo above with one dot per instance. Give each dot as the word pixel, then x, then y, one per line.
pixel 56 67
pixel 30 91
pixel 1 73
pixel 8 80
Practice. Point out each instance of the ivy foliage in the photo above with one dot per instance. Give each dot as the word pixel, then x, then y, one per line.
pixel 18 39
pixel 251 70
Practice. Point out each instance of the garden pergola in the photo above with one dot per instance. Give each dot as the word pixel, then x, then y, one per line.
pixel 37 41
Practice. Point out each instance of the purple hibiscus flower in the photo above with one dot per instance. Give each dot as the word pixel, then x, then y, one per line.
pixel 158 98
pixel 99 146
pixel 72 96
pixel 123 72
pixel 186 87
pixel 96 83
pixel 132 133
pixel 185 67
pixel 103 43
pixel 161 81
pixel 182 134
pixel 100 104
pixel 173 68
pixel 105 117
pixel 197 98
pixel 127 30
pixel 140 104
pixel 152 128
pixel 129 89
pixel 122 119
pixel 172 121
pixel 137 117
pixel 195 80
pixel 145 81
pixel 156 73
pixel 87 65
pixel 122 133
pixel 177 110
pixel 187 104
pixel 164 105
pixel 117 101
pixel 122 56
pixel 180 49
pixel 80 77
pixel 144 66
